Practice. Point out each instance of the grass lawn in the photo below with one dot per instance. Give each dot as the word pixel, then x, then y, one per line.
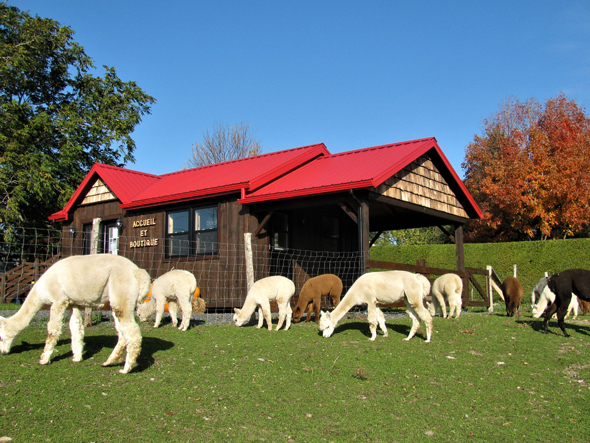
pixel 484 378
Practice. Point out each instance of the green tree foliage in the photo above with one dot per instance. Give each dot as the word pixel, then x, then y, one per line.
pixel 56 118
pixel 529 172
pixel 419 236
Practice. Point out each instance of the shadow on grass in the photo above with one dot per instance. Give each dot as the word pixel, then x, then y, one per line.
pixel 538 326
pixel 363 327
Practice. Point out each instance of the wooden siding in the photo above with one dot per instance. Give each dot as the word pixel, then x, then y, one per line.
pixel 98 193
pixel 422 184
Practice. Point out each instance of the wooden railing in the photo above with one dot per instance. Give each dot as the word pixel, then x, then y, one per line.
pixel 17 282
pixel 467 275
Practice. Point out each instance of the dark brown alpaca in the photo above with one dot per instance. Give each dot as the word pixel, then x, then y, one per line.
pixel 312 292
pixel 513 292
pixel 565 283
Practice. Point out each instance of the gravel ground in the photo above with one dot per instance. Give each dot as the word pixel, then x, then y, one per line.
pixel 202 319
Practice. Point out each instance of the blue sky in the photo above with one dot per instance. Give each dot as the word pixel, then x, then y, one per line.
pixel 349 74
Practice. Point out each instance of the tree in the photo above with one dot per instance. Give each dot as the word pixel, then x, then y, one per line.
pixel 224 143
pixel 56 118
pixel 432 235
pixel 529 171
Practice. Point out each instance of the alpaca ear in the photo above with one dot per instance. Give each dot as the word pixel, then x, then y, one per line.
pixel 236 310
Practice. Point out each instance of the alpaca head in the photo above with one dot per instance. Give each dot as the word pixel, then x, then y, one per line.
pixel 6 337
pixel 238 320
pixel 326 324
pixel 297 313
pixel 146 310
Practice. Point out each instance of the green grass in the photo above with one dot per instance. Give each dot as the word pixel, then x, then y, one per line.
pixel 484 378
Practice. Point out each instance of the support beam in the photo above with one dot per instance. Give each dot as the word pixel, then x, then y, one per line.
pixel 460 252
pixel 263 224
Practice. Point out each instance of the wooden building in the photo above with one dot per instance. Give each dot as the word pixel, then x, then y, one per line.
pixel 297 199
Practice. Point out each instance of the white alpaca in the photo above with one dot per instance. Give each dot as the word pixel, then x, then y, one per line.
pixel 449 286
pixel 547 297
pixel 383 288
pixel 174 287
pixel 78 282
pixel 265 290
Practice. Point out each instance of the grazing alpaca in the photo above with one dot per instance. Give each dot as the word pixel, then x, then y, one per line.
pixel 383 288
pixel 537 291
pixel 547 298
pixel 174 287
pixel 513 292
pixel 78 282
pixel 563 285
pixel 265 290
pixel 449 286
pixel 312 292
pixel 585 306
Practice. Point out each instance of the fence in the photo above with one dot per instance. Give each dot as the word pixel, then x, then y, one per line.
pixel 222 278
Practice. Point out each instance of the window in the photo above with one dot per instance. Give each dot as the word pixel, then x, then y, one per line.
pixel 280 231
pixel 192 232
pixel 107 241
pixel 330 234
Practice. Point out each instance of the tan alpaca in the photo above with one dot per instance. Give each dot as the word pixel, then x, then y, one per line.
pixel 78 282
pixel 312 292
pixel 450 287
pixel 265 290
pixel 383 288
pixel 175 287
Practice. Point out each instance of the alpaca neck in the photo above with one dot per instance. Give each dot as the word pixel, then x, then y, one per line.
pixel 343 307
pixel 26 313
pixel 248 309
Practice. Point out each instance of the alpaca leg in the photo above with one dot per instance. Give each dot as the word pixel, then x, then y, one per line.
pixel 54 326
pixel 316 308
pixel 289 314
pixel 173 311
pixel 309 309
pixel 548 314
pixel 282 316
pixel 260 317
pixel 187 310
pixel 265 307
pixel 381 319
pixel 77 332
pixel 160 304
pixel 415 323
pixel 373 320
pixel 132 335
pixel 117 353
pixel 416 312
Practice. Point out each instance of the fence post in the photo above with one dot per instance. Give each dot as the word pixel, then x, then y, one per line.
pixel 3 288
pixel 490 289
pixel 249 264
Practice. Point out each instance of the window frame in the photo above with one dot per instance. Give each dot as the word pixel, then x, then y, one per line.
pixel 192 234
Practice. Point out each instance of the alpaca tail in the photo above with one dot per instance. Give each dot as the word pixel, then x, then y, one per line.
pixel 144 280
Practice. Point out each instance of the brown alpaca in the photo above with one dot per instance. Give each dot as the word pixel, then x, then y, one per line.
pixel 585 306
pixel 513 292
pixel 312 292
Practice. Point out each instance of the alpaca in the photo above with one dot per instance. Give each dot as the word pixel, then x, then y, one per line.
pixel 265 290
pixel 547 298
pixel 78 282
pixel 563 285
pixel 175 287
pixel 537 291
pixel 512 290
pixel 312 292
pixel 383 288
pixel 449 286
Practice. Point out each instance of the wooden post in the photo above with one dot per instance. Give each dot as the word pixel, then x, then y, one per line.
pixel 364 235
pixel 249 260
pixel 490 289
pixel 460 252
pixel 3 288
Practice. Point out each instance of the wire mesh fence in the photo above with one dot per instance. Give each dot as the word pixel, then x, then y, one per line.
pixel 222 276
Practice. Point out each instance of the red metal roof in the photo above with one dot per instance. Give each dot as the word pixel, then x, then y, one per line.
pixel 124 183
pixel 299 172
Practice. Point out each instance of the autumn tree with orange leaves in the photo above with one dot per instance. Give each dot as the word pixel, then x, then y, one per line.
pixel 530 172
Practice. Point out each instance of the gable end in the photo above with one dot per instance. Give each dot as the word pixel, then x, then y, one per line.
pixel 422 184
pixel 99 192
